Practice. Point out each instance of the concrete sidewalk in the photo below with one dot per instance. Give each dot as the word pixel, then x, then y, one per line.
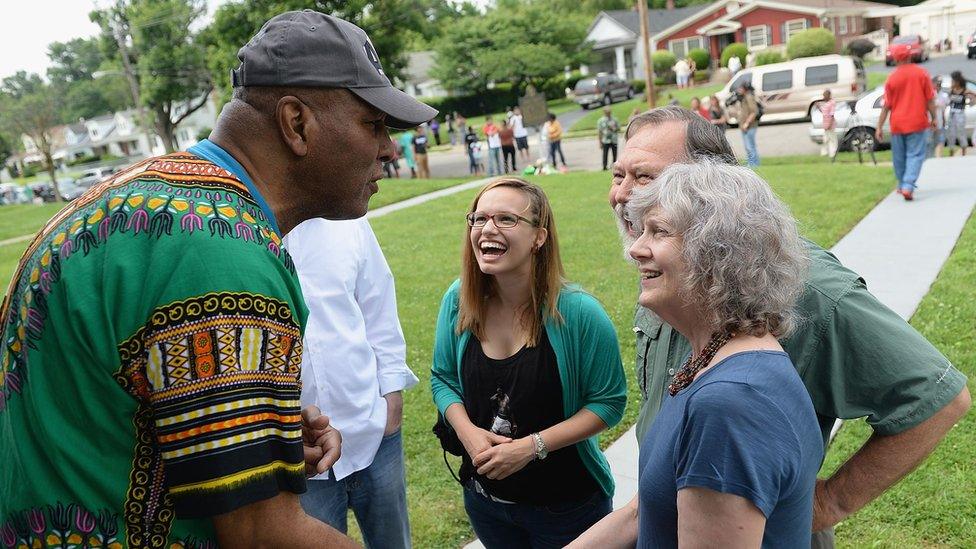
pixel 898 248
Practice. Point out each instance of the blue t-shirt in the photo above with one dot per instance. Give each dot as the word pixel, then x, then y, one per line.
pixel 745 427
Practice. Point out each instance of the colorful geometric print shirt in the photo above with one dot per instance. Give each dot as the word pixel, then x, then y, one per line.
pixel 151 350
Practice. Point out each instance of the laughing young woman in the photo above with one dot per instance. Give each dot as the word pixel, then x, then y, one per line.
pixel 527 371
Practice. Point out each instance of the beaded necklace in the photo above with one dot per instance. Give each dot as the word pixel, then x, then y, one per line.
pixel 693 365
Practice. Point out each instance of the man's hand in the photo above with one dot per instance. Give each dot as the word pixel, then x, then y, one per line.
pixel 500 461
pixel 476 440
pixel 826 512
pixel 878 134
pixel 323 444
pixel 394 412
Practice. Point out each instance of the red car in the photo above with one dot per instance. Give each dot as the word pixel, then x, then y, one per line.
pixel 920 49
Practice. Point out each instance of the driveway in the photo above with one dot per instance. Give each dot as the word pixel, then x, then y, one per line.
pixel 939 65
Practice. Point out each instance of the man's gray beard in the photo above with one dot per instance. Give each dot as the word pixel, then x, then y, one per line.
pixel 626 239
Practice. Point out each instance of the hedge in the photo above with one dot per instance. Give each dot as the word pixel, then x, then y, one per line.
pixel 701 58
pixel 811 43
pixel 493 100
pixel 769 57
pixel 663 60
pixel 737 49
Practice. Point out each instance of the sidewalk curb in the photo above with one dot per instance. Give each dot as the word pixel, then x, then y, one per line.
pixel 420 199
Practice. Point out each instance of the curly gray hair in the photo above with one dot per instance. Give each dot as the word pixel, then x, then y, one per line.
pixel 747 264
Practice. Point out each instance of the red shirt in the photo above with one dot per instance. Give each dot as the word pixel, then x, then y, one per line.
pixel 907 94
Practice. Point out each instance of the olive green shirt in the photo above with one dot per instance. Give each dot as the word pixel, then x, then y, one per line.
pixel 856 357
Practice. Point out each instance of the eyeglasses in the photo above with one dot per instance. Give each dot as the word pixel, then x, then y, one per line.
pixel 503 220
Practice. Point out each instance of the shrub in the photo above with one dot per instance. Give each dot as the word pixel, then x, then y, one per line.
pixel 737 49
pixel 701 58
pixel 494 100
pixel 555 87
pixel 769 57
pixel 811 42
pixel 30 171
pixel 701 76
pixel 663 60
pixel 84 159
pixel 638 85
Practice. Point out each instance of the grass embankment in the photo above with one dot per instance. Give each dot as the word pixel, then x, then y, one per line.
pixel 26 219
pixel 934 506
pixel 422 245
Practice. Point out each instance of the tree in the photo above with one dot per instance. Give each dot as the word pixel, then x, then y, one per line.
pixel 74 65
pixel 159 51
pixel 28 107
pixel 522 43
pixel 390 24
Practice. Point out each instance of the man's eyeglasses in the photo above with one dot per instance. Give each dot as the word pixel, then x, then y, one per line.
pixel 502 220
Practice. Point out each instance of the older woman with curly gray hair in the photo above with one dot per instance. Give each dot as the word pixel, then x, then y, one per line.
pixel 732 457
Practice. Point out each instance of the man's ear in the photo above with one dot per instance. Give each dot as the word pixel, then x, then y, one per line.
pixel 294 119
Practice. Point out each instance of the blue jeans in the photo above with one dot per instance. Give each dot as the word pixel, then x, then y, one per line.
pixel 376 494
pixel 907 154
pixel 517 525
pixel 494 161
pixel 749 142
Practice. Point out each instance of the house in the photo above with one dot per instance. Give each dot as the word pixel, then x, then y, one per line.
pixel 417 80
pixel 760 24
pixel 936 20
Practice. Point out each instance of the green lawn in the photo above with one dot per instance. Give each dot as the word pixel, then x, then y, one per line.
pixel 828 200
pixel 21 219
pixel 396 190
pixel 623 110
pixel 935 505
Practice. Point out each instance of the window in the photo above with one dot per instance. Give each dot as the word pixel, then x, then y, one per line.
pixel 742 79
pixel 779 80
pixel 681 46
pixel 757 37
pixel 821 74
pixel 793 27
pixel 842 25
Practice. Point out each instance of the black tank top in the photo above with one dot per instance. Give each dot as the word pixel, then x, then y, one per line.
pixel 515 397
pixel 957 101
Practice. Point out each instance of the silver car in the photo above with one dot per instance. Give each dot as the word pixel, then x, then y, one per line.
pixel 867 111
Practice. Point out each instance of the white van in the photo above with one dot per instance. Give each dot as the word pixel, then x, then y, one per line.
pixel 789 90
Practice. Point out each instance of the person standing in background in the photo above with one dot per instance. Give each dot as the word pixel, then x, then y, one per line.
pixel 749 121
pixel 607 129
pixel 827 109
pixel 957 100
pixel 494 147
pixel 555 136
pixel 420 153
pixel 521 134
pixel 507 136
pixel 435 130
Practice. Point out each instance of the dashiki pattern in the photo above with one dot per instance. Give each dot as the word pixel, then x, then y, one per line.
pixel 151 351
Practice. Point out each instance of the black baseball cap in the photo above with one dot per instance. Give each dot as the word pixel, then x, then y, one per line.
pixel 311 49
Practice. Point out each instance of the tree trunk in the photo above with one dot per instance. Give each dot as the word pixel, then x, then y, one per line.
pixel 166 130
pixel 50 171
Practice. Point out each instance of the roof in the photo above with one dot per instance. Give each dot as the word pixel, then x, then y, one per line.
pixel 658 19
pixel 836 5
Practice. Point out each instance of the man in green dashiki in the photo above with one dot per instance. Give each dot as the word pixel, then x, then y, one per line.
pixel 152 333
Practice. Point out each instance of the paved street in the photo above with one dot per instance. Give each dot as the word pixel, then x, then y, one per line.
pixel 585 154
pixel 939 65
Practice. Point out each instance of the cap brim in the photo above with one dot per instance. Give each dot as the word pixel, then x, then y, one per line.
pixel 402 111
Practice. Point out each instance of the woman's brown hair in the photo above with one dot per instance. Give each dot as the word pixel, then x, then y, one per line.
pixel 547 270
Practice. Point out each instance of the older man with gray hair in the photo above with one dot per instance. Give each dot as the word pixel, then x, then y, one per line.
pixel 856 357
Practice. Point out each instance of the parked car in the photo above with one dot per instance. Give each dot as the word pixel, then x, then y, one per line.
pixel 12 193
pixel 868 112
pixel 788 90
pixel 919 46
pixel 971 44
pixel 43 190
pixel 602 89
pixel 70 189
pixel 94 175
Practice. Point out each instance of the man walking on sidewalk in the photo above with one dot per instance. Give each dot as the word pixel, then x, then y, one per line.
pixel 910 99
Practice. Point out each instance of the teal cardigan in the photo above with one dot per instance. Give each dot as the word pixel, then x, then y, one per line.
pixel 587 355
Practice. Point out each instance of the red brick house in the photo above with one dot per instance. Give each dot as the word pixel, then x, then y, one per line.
pixel 760 24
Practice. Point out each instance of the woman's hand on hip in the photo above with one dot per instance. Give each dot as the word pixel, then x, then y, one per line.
pixel 477 440
pixel 500 461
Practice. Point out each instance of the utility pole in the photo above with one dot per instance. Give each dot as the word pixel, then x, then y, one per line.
pixel 646 46
pixel 130 75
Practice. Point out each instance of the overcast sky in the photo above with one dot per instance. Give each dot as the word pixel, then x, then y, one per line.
pixel 30 25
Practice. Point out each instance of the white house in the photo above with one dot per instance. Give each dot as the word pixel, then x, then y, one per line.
pixel 417 80
pixel 936 20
